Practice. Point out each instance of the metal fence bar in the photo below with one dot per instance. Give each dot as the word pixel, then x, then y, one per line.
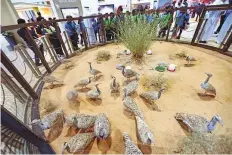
pixel 68 42
pixel 14 71
pixel 48 49
pixel 52 48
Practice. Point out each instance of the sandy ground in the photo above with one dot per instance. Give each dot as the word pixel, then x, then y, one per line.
pixel 181 97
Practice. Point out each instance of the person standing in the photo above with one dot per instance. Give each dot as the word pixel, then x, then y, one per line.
pixel 22 33
pixel 72 30
pixel 182 21
pixel 211 23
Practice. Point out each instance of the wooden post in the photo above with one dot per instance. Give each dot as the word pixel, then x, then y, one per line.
pixel 83 32
pixel 226 36
pixel 13 70
pixel 170 25
pixel 103 30
pixel 199 25
pixel 199 36
pixel 227 44
pixel 37 51
pixel 15 125
pixel 61 40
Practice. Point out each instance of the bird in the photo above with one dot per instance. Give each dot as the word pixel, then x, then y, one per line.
pixel 209 88
pixel 102 126
pixel 196 123
pixel 128 73
pixel 131 106
pixel 130 147
pixel 51 79
pixel 70 119
pixel 131 87
pixel 189 59
pixel 72 95
pixel 78 143
pixel 48 120
pixel 92 71
pixel 83 82
pixel 151 96
pixel 145 135
pixel 94 93
pixel 83 121
pixel 114 86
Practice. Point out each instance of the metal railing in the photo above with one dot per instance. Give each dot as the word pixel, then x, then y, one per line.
pixel 21 78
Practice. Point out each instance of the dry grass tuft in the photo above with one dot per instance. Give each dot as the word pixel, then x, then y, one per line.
pixel 154 82
pixel 48 107
pixel 206 143
pixel 181 55
pixel 103 56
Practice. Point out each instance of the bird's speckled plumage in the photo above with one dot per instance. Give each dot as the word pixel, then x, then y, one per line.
pixel 196 123
pixel 83 121
pixel 151 96
pixel 132 107
pixel 189 59
pixel 102 126
pixel 128 73
pixel 51 79
pixel 130 147
pixel 70 119
pixel 131 87
pixel 83 83
pixel 78 143
pixel 145 135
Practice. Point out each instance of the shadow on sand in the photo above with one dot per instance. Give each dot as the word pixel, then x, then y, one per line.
pixel 104 145
pixel 83 89
pixel 115 95
pixel 206 97
pixel 151 106
pixel 95 102
pixel 56 129
pixel 189 65
pixel 53 86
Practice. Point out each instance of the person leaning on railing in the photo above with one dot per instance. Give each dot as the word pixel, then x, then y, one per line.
pixel 72 30
pixel 22 33
pixel 53 38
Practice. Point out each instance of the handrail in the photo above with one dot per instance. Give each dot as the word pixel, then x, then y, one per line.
pixel 11 27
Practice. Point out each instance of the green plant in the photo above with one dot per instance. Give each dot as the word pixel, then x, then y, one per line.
pixel 103 56
pixel 137 36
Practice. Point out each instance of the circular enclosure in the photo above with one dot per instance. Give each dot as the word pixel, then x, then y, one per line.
pixel 183 93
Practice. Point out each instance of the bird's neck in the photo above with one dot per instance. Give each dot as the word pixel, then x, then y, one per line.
pixel 114 82
pixel 159 94
pixel 98 89
pixel 123 70
pixel 90 66
pixel 212 124
pixel 207 80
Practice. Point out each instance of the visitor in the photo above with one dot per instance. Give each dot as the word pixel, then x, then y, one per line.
pixel 81 34
pixel 22 33
pixel 53 38
pixel 109 23
pixel 222 20
pixel 226 26
pixel 182 21
pixel 164 22
pixel 72 30
pixel 39 28
pixel 211 23
pixel 199 9
pixel 134 16
pixel 95 26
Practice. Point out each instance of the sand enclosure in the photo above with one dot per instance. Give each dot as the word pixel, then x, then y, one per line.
pixel 182 95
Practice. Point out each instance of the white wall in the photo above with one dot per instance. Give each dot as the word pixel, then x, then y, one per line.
pixel 117 3
pixel 93 7
pixel 9 15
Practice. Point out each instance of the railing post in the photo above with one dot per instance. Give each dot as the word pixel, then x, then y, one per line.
pixel 52 48
pixel 83 32
pixel 199 25
pixel 61 40
pixel 37 51
pixel 227 44
pixel 13 70
pixel 49 50
pixel 170 24
pixel 103 29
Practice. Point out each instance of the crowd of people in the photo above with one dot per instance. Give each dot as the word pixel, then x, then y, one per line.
pixel 109 22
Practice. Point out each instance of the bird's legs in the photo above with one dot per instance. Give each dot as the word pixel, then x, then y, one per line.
pixel 52 85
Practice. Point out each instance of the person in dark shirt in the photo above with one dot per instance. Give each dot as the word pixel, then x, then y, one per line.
pixel 22 33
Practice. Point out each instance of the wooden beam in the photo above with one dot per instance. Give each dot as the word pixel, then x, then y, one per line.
pixel 199 26
pixel 17 75
pixel 15 125
pixel 58 32
pixel 227 44
pixel 37 50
